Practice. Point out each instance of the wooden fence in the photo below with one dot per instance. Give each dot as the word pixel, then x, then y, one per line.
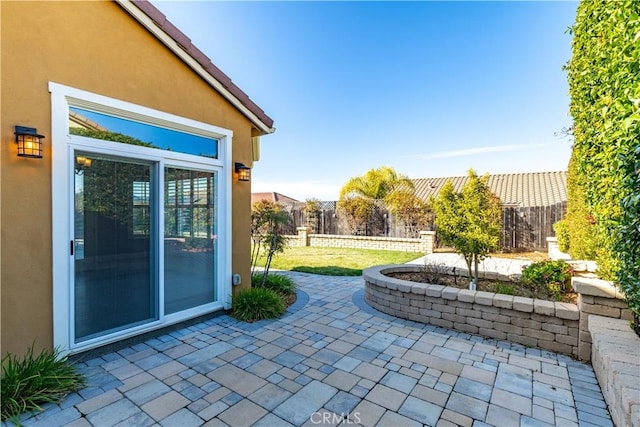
pixel 525 228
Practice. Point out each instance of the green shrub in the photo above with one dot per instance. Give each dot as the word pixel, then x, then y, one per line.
pixel 552 277
pixel 502 288
pixel 562 234
pixel 604 85
pixel 257 304
pixel 279 284
pixel 34 380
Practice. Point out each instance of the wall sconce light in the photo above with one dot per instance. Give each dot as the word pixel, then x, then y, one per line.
pixel 244 172
pixel 81 164
pixel 29 142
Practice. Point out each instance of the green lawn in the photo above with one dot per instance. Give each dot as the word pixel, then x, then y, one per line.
pixel 335 261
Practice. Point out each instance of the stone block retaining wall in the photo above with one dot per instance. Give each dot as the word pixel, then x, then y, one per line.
pixel 597 329
pixel 597 297
pixel 537 323
pixel 616 362
pixel 423 245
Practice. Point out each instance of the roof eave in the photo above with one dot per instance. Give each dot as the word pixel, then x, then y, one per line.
pixel 156 23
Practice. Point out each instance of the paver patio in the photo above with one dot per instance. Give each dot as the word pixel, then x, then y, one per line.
pixel 331 360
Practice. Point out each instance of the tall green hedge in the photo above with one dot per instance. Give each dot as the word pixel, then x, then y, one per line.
pixel 604 186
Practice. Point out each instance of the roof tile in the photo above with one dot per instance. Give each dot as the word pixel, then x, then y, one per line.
pixel 176 34
pixel 153 13
pixel 522 189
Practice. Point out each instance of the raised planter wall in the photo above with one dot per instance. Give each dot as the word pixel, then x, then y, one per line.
pixel 601 298
pixel 616 362
pixel 423 245
pixel 596 329
pixel 532 322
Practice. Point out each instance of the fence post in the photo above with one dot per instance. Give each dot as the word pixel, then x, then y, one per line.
pixel 426 241
pixel 553 250
pixel 303 235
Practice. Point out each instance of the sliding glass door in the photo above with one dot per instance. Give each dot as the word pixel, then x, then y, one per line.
pixel 115 286
pixel 120 280
pixel 141 218
pixel 189 239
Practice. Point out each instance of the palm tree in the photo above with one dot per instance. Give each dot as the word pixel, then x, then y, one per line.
pixel 358 195
pixel 376 184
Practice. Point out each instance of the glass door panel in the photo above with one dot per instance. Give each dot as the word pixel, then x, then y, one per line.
pixel 115 285
pixel 189 239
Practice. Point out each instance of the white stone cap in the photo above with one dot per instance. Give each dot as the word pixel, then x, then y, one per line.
pixel 595 287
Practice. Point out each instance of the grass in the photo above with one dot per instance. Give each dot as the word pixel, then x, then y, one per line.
pixel 335 261
pixel 34 380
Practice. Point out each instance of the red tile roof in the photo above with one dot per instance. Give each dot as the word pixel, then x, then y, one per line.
pixel 272 197
pixel 185 43
pixel 523 189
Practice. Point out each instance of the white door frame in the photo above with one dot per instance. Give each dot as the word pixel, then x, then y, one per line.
pixel 63 146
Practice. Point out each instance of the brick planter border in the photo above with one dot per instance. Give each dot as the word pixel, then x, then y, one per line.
pixel 616 362
pixel 532 322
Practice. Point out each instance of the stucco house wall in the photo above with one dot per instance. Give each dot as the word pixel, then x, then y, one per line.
pixel 96 47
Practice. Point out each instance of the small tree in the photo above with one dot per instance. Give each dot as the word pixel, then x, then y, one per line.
pixel 267 231
pixel 311 211
pixel 357 211
pixel 470 220
pixel 358 195
pixel 413 212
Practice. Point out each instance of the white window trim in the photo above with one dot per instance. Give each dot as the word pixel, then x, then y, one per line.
pixel 63 145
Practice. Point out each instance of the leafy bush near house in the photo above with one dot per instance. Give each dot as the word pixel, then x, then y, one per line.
pixel 268 220
pixel 34 380
pixel 257 304
pixel 604 85
pixel 551 276
pixel 279 284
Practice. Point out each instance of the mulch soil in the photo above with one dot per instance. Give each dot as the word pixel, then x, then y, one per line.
pixel 486 285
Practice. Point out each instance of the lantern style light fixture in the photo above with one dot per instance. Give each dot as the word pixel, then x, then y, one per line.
pixel 81 164
pixel 244 172
pixel 29 142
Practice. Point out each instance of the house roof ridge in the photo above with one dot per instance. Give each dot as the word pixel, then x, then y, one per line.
pixel 184 42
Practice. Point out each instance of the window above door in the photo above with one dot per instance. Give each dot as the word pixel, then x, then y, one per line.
pixel 125 130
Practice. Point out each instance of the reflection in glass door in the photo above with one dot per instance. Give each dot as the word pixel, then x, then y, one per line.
pixel 189 239
pixel 114 287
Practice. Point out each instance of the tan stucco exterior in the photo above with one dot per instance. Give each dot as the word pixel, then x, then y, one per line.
pixel 96 47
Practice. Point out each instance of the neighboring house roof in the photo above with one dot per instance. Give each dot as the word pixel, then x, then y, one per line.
pixel 521 189
pixel 271 197
pixel 79 121
pixel 157 23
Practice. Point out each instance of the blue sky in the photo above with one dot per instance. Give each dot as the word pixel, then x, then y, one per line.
pixel 429 88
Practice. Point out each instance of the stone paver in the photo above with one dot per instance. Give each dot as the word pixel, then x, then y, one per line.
pixel 331 360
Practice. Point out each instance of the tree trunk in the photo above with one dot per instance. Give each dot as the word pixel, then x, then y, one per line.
pixel 255 252
pixel 468 259
pixel 475 274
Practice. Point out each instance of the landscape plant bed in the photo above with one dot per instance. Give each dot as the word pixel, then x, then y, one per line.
pixel 495 286
pixel 533 322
